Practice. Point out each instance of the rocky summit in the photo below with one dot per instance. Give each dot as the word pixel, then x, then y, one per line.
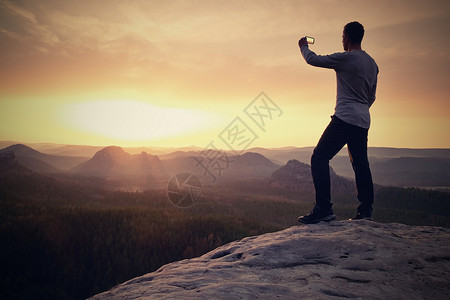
pixel 336 260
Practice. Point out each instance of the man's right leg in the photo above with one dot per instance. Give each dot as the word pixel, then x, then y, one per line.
pixel 331 142
pixel 357 147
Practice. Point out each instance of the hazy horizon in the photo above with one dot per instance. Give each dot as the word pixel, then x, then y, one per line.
pixel 4 144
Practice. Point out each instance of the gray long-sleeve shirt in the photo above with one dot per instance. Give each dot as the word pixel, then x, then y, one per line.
pixel 356 75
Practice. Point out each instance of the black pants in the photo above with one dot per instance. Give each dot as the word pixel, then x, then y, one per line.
pixel 336 135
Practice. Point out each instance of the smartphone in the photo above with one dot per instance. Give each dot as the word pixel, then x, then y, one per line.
pixel 310 40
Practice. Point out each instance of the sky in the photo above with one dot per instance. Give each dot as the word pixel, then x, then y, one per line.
pixel 180 73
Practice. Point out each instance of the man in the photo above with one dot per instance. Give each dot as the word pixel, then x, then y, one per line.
pixel 356 74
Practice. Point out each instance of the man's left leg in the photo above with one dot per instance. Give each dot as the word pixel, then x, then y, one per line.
pixel 357 147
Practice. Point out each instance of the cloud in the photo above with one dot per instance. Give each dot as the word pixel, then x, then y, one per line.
pixel 216 41
pixel 20 12
pixel 23 25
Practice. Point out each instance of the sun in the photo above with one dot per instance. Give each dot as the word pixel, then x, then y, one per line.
pixel 131 120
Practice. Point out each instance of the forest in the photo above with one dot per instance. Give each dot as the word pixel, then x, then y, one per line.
pixel 65 239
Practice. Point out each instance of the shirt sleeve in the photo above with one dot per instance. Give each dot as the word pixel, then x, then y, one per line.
pixel 332 61
pixel 373 92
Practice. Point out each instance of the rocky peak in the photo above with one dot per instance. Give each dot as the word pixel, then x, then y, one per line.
pixel 294 176
pixel 111 152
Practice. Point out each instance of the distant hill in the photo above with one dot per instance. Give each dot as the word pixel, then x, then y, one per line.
pixel 283 155
pixel 296 176
pixel 386 152
pixel 9 164
pixel 402 171
pixel 252 164
pixel 41 162
pixel 22 187
pixel 109 161
pixel 390 166
pixel 233 167
pixel 161 151
pixel 303 154
pixel 89 150
pixel 179 153
pixel 67 150
pixel 113 161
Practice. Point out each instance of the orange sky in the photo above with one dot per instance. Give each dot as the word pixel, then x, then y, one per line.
pixel 177 73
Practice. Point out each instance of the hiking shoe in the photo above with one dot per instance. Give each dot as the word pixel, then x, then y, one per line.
pixel 317 215
pixel 363 216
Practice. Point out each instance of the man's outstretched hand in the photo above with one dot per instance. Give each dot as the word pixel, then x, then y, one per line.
pixel 302 42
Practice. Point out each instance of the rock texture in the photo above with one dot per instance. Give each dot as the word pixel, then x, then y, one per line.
pixel 336 260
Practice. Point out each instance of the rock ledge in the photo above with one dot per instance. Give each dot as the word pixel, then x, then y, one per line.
pixel 342 259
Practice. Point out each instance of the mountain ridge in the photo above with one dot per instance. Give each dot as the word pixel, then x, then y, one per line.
pixel 116 162
pixel 403 167
pixel 42 162
pixel 222 167
pixel 296 176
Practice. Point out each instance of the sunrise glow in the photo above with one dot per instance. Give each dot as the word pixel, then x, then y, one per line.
pixel 130 120
pixel 176 73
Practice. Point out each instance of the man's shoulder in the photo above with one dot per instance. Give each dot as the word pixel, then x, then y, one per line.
pixel 371 59
pixel 364 53
pixel 340 53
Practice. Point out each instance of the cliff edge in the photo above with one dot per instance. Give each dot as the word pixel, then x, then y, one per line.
pixel 340 259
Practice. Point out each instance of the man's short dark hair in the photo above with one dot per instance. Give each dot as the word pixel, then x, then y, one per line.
pixel 355 32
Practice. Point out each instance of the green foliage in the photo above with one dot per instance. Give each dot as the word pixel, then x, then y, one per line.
pixel 412 206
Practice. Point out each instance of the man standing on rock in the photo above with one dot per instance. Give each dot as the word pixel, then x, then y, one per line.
pixel 356 74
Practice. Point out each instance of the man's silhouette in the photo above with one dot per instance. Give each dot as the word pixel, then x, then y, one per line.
pixel 356 74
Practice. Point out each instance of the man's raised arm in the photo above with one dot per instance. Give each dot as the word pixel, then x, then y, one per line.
pixel 332 61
